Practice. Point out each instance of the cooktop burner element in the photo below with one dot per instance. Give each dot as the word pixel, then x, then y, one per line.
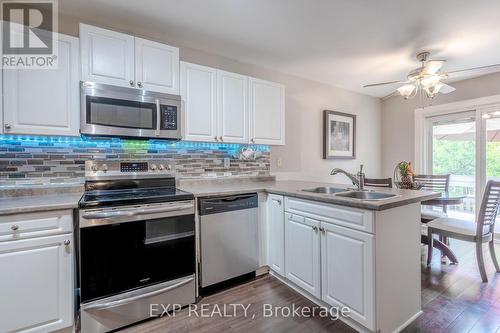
pixel 129 183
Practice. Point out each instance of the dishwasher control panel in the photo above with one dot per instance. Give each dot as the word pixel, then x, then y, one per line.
pixel 214 205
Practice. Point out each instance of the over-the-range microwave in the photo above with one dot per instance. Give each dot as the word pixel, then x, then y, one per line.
pixel 108 110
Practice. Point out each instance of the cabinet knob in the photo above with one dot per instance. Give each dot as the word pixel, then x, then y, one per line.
pixel 252 140
pixel 220 138
pixel 15 227
pixel 67 242
pixel 315 228
pixel 131 83
pixel 322 229
pixel 216 139
pixel 7 126
pixel 139 84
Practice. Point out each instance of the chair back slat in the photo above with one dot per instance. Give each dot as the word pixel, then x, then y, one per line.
pixel 379 182
pixel 439 183
pixel 489 207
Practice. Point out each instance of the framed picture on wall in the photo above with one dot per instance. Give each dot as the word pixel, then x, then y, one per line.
pixel 339 135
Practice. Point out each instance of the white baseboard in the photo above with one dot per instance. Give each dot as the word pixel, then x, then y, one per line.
pixel 408 322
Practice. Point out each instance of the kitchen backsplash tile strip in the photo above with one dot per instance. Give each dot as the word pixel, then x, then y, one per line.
pixel 44 160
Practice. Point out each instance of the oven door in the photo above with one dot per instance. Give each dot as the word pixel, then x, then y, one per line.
pixel 126 248
pixel 125 112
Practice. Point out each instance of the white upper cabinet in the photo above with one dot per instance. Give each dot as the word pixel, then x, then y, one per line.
pixel 267 112
pixel 107 56
pixel 199 95
pixel 232 98
pixel 156 66
pixel 44 101
pixel 302 253
pixel 276 232
pixel 123 60
pixel 348 280
pixel 247 110
pixel 37 277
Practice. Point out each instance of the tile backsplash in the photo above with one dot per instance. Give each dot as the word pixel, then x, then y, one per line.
pixel 44 160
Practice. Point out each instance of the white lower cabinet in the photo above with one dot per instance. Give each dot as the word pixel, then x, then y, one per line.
pixel 302 258
pixel 276 232
pixel 347 271
pixel 36 282
pixel 332 262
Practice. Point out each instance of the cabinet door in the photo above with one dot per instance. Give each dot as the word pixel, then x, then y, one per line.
pixel 107 56
pixel 267 112
pixel 276 239
pixel 156 66
pixel 44 102
pixel 232 107
pixel 37 277
pixel 348 280
pixel 302 259
pixel 198 91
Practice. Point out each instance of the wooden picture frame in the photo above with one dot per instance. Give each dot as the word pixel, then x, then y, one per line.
pixel 339 135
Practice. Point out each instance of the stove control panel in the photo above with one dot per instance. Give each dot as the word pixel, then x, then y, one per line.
pixel 133 166
pixel 118 168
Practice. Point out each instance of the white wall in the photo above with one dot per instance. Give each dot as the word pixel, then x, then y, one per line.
pixel 398 125
pixel 305 101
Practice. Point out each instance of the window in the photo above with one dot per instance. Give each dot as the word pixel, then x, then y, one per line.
pixel 462 139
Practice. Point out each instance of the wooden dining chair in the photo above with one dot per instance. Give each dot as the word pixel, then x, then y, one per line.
pixel 437 183
pixel 379 182
pixel 479 233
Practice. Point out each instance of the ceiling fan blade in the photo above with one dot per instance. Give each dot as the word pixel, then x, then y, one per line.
pixel 431 67
pixel 473 71
pixel 446 89
pixel 382 84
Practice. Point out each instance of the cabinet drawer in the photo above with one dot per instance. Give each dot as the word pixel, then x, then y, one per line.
pixel 345 216
pixel 20 226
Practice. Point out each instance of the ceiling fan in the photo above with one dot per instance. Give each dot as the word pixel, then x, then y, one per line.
pixel 428 78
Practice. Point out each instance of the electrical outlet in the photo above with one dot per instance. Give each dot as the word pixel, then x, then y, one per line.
pixel 227 162
pixel 279 163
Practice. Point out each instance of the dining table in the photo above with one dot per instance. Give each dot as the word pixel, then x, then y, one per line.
pixel 445 199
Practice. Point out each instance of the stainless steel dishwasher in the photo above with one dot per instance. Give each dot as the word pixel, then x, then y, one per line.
pixel 229 237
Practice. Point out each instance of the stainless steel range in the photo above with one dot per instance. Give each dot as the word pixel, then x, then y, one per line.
pixel 136 240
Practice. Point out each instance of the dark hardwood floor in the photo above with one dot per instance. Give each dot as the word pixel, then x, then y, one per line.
pixel 453 298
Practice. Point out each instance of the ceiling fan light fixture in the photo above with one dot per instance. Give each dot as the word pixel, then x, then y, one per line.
pixel 406 90
pixel 431 81
pixel 432 90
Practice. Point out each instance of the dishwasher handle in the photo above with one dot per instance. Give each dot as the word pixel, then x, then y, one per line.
pixel 223 204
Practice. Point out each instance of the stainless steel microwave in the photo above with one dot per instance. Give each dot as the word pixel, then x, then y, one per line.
pixel 107 110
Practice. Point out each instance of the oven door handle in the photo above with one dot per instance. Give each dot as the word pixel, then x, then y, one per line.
pixel 123 301
pixel 120 213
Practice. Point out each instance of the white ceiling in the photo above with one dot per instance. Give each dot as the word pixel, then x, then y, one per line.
pixel 346 43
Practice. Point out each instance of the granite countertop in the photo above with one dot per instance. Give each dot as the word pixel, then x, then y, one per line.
pixel 38 203
pixel 51 199
pixel 294 189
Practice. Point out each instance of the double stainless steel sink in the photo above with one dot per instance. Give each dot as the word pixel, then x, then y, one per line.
pixel 346 193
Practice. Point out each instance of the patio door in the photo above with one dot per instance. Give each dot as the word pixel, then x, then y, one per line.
pixel 452 143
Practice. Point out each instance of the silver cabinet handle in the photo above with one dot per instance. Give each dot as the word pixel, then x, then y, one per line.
pixel 322 229
pixel 315 228
pixel 7 126
pixel 220 138
pixel 112 304
pixel 67 242
pixel 119 213
pixel 252 140
pixel 139 84
pixel 14 227
pixel 131 83
pixel 215 137
pixel 278 201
